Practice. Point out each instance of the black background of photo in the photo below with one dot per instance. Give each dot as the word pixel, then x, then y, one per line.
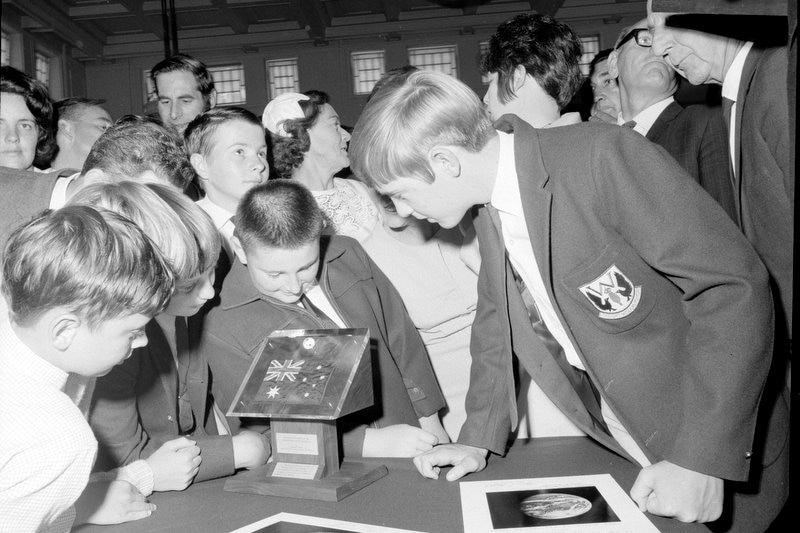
pixel 505 508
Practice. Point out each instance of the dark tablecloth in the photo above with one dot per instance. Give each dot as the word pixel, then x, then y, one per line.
pixel 402 499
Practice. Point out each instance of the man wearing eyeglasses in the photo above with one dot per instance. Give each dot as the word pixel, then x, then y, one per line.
pixel 695 135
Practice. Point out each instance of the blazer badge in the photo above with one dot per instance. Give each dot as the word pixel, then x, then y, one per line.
pixel 613 294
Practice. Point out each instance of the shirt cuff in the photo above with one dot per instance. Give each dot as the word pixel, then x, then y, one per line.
pixel 138 473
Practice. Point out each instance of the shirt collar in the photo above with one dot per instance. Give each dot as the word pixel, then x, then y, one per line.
pixel 505 195
pixel 58 198
pixel 218 215
pixel 647 117
pixel 566 119
pixel 733 78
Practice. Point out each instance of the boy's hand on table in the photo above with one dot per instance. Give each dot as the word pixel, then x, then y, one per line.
pixel 667 489
pixel 111 502
pixel 251 449
pixel 399 440
pixel 464 459
pixel 174 464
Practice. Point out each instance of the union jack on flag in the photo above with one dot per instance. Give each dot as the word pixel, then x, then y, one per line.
pixel 278 371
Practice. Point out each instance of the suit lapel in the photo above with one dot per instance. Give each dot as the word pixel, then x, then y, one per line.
pixel 662 122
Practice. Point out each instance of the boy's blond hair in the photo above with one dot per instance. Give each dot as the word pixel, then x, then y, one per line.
pixel 182 231
pixel 404 120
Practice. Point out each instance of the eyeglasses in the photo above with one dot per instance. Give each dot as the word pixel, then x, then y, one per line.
pixel 642 35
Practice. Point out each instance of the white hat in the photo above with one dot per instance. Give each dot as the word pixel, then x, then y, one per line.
pixel 280 109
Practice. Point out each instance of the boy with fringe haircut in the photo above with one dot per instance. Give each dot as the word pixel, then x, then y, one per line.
pixel 80 285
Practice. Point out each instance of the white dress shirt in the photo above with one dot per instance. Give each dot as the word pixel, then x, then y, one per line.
pixel 730 90
pixel 647 117
pixel 47 448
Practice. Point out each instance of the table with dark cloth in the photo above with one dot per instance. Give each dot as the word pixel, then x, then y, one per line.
pixel 402 499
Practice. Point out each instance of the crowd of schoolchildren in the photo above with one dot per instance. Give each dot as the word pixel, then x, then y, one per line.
pixel 522 273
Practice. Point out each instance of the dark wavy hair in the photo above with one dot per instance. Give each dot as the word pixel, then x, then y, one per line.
pixel 549 50
pixel 187 63
pixel 289 152
pixel 39 104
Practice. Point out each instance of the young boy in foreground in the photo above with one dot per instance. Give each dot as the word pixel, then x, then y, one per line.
pixel 291 273
pixel 640 309
pixel 80 285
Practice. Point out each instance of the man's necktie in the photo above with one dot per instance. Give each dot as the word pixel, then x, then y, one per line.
pixel 323 319
pixel 580 380
pixel 727 107
pixel 630 124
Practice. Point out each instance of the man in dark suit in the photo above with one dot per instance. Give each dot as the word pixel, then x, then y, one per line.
pixel 695 136
pixel 754 86
pixel 654 338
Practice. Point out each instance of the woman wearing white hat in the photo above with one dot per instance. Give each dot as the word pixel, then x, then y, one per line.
pixel 309 145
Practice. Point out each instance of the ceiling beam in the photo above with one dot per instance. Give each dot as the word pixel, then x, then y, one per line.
pixel 470 7
pixel 312 17
pixel 135 8
pixel 229 17
pixel 391 9
pixel 52 17
pixel 546 7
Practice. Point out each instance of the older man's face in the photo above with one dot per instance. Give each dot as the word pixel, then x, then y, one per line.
pixel 640 69
pixel 693 54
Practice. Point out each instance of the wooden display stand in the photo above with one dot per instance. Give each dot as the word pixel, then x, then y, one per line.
pixel 304 380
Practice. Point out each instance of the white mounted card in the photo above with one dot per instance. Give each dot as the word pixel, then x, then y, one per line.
pixel 284 522
pixel 547 505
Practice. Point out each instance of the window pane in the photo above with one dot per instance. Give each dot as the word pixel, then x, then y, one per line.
pixel 42 68
pixel 438 58
pixel 5 49
pixel 229 83
pixel 368 67
pixel 282 76
pixel 484 50
pixel 149 88
pixel 591 45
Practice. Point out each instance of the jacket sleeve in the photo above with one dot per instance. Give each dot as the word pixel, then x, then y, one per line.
pixel 489 413
pixel 680 232
pixel 114 417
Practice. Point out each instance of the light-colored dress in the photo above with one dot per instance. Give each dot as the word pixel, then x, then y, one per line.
pixel 350 208
pixel 438 283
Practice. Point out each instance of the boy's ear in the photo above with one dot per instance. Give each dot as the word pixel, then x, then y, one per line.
pixel 62 331
pixel 238 249
pixel 199 164
pixel 66 128
pixel 212 99
pixel 445 161
pixel 520 77
pixel 613 71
